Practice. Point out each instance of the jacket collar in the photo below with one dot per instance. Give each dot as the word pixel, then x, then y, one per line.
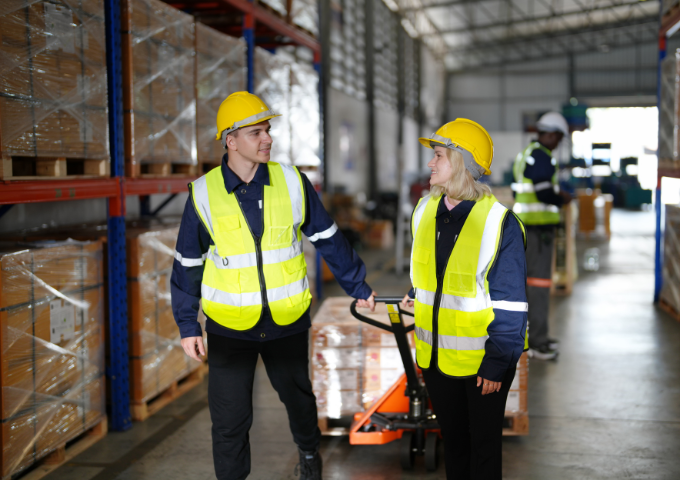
pixel 232 181
pixel 461 210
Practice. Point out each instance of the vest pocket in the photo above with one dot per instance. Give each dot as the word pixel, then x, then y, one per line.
pixel 228 238
pixel 461 284
pixel 280 236
pixel 421 255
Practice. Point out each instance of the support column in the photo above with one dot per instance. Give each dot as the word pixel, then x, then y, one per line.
pixel 249 37
pixel 658 254
pixel 369 15
pixel 118 366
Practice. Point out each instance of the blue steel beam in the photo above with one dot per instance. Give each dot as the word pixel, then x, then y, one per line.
pixel 249 37
pixel 658 275
pixel 118 367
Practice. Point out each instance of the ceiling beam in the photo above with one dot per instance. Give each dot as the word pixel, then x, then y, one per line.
pixel 614 5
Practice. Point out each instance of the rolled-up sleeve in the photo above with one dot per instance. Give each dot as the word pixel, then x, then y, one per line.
pixel 349 270
pixel 193 243
pixel 507 288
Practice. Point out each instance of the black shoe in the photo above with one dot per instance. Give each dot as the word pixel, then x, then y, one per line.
pixel 543 353
pixel 310 466
pixel 553 344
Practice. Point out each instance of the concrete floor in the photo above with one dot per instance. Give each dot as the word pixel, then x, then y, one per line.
pixel 609 408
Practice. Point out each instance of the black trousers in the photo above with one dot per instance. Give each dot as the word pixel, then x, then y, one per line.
pixel 230 390
pixel 540 245
pixel 471 424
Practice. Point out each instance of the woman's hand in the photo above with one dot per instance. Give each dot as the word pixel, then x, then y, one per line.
pixel 368 303
pixel 407 301
pixel 488 386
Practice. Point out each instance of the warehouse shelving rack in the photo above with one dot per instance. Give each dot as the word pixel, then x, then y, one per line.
pixel 669 25
pixel 117 187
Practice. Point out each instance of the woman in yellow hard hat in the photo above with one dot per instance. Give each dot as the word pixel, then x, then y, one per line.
pixel 469 273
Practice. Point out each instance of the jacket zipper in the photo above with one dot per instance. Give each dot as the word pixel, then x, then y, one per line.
pixel 258 251
pixel 437 299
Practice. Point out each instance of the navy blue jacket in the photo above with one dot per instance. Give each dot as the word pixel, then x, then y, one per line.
pixel 194 241
pixel 507 281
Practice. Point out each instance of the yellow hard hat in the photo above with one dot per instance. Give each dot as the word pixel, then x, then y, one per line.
pixel 241 109
pixel 470 139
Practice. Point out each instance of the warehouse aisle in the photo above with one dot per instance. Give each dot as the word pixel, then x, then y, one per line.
pixel 609 408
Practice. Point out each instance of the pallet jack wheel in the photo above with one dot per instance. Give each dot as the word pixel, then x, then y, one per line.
pixel 406 454
pixel 432 451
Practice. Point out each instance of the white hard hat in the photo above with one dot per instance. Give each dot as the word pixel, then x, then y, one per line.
pixel 553 122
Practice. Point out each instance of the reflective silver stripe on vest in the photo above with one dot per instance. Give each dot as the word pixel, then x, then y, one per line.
pixel 246 260
pixel 534 207
pixel 425 297
pixel 417 217
pixel 296 196
pixel 543 186
pixel 328 233
pixel 190 262
pixel 253 298
pixel 423 335
pixel 510 306
pixel 449 342
pixel 522 187
pixel 202 201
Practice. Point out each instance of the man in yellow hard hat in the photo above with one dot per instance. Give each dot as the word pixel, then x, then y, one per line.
pixel 239 253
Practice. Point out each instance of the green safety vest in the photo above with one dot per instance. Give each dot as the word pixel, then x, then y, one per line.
pixel 455 311
pixel 527 205
pixel 243 273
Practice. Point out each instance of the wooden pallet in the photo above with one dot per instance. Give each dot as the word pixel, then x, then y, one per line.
pixel 669 309
pixel 49 168
pixel 143 410
pixel 155 170
pixel 205 167
pixel 515 425
pixel 64 452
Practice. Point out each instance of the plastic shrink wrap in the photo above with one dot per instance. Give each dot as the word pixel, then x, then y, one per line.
pixel 220 71
pixel 158 88
pixel 304 114
pixel 272 85
pixel 53 100
pixel 670 293
pixel 353 364
pixel 156 355
pixel 303 13
pixel 52 337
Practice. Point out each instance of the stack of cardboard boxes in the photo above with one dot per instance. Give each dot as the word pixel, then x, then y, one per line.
pixel 52 339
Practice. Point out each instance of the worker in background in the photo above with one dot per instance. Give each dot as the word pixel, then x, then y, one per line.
pixel 239 256
pixel 469 274
pixel 537 203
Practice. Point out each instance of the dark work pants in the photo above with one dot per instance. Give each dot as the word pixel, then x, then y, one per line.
pixel 230 390
pixel 540 245
pixel 471 424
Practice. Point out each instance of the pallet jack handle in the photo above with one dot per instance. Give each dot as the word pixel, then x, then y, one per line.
pixel 396 327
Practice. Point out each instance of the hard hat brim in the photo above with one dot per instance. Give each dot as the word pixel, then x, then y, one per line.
pixel 259 120
pixel 426 142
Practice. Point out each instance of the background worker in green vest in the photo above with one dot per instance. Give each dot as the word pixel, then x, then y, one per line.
pixel 469 275
pixel 239 256
pixel 537 203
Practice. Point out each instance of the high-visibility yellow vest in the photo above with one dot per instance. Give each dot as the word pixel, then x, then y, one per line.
pixel 243 273
pixel 453 313
pixel 527 205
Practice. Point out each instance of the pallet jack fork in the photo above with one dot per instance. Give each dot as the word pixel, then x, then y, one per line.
pixel 404 412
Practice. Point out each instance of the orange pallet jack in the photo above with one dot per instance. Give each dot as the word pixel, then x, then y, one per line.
pixel 404 413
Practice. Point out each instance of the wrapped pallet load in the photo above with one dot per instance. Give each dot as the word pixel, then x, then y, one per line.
pixel 158 364
pixel 53 89
pixel 220 71
pixel 52 338
pixel 158 89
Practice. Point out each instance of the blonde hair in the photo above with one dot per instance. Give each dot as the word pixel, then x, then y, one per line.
pixel 461 185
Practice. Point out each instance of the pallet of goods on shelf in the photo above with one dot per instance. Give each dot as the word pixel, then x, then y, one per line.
pixel 220 71
pixel 354 364
pixel 303 13
pixel 53 90
pixel 158 89
pixel 52 335
pixel 594 212
pixel 160 371
pixel 670 293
